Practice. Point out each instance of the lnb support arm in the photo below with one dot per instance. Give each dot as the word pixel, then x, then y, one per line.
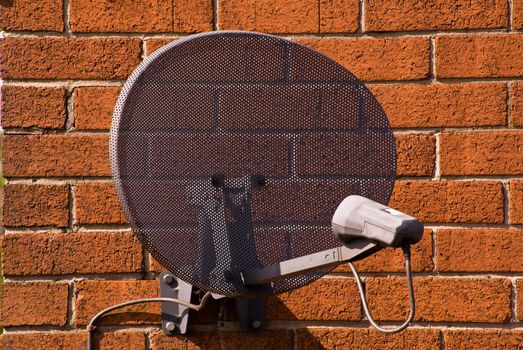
pixel 364 227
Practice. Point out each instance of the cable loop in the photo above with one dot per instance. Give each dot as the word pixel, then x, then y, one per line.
pixel 406 253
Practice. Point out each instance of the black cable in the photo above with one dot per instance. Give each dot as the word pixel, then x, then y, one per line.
pixel 406 254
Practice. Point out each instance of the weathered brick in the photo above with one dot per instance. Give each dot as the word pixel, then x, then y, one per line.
pixel 191 155
pixel 500 250
pixel 443 105
pixel 450 201
pixel 339 16
pixel 94 106
pixel 121 16
pixel 317 301
pixel 193 16
pixel 234 340
pixel 392 260
pixel 152 45
pixel 481 153
pixel 93 296
pixel 519 302
pixel 416 154
pixel 285 16
pixel 373 59
pixel 515 197
pixel 33 107
pixel 46 15
pixel 479 56
pixel 69 58
pixel 56 155
pixel 492 339
pixel 441 299
pixel 71 253
pixel 288 16
pixel 317 338
pixel 36 205
pixel 516 104
pixel 34 303
pixel 402 15
pixel 517 14
pixel 97 203
pixel 119 340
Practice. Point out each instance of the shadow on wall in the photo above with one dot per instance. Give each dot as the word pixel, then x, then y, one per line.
pixel 7 3
pixel 211 328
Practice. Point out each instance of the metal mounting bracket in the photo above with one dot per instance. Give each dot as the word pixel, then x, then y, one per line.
pixel 174 316
pixel 251 313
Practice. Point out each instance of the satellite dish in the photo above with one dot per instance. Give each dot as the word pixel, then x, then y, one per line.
pixel 231 151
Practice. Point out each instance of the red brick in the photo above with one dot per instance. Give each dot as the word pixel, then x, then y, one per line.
pixel 517 14
pixel 56 155
pixel 36 205
pixel 324 299
pixel 33 107
pixel 492 339
pixel 93 296
pixel 443 105
pixel 152 45
pixel 479 56
pixel 339 16
pixel 371 59
pixel 515 202
pixel 285 16
pixel 193 16
pixel 238 155
pixel 402 15
pixel 232 340
pixel 70 253
pixel 441 299
pixel 97 203
pixel 317 338
pixel 519 302
pixel 392 260
pixel 516 104
pixel 35 303
pixel 120 340
pixel 94 106
pixel 500 250
pixel 69 58
pixel 416 154
pixel 481 153
pixel 450 201
pixel 46 15
pixel 121 16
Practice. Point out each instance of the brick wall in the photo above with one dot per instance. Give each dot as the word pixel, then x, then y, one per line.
pixel 450 77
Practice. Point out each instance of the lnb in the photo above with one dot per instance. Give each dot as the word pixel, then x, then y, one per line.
pixel 360 217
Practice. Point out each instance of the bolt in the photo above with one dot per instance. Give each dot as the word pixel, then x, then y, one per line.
pixel 170 326
pixel 168 279
pixel 256 324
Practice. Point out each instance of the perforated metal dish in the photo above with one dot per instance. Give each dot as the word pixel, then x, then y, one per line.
pixel 231 151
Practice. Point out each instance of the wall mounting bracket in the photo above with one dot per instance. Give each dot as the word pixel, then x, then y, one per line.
pixel 174 316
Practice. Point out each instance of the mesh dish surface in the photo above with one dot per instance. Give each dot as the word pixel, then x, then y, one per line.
pixel 231 151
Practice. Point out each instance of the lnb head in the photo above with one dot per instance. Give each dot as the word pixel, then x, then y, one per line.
pixel 360 217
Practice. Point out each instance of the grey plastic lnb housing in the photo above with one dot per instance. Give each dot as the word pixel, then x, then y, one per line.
pixel 358 217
